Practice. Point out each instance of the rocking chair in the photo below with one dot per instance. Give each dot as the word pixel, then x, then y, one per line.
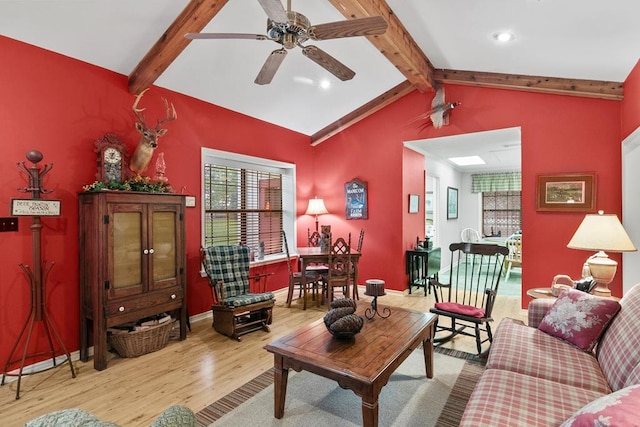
pixel 235 311
pixel 469 296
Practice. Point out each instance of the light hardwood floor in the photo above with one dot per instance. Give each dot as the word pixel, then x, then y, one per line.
pixel 195 372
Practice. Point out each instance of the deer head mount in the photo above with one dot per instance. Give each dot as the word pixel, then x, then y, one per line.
pixel 149 140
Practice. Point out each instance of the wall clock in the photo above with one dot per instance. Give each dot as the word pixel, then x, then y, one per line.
pixel 112 159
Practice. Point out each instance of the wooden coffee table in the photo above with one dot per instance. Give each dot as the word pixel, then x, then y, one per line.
pixel 363 363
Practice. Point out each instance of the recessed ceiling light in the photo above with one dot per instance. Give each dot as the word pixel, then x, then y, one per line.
pixel 325 84
pixel 467 160
pixel 504 36
pixel 303 80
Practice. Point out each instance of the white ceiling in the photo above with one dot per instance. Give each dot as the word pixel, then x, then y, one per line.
pixel 500 150
pixel 584 39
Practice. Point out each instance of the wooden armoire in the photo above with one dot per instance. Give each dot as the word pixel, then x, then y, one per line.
pixel 132 263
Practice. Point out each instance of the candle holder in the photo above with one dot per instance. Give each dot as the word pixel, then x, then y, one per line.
pixel 375 288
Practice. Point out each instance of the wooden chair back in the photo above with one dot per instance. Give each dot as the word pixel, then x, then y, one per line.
pixel 515 251
pixel 339 268
pixel 313 239
pixel 360 240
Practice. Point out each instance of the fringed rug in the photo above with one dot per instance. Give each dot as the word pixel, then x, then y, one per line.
pixel 449 415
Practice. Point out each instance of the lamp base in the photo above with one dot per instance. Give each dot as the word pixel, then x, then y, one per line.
pixel 601 291
pixel 603 270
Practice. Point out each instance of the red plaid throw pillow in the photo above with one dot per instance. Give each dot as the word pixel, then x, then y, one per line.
pixel 579 318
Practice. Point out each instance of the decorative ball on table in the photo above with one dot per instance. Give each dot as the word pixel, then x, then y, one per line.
pixel 341 321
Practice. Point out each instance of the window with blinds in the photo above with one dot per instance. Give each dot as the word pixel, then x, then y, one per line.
pixel 243 206
pixel 501 213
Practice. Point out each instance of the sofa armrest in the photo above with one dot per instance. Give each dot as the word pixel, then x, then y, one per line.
pixel 537 309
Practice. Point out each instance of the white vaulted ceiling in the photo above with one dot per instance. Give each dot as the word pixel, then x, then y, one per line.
pixel 572 39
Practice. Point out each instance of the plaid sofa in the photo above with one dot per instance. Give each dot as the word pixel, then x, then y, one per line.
pixel 534 379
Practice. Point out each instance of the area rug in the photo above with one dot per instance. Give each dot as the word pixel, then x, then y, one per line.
pixel 408 399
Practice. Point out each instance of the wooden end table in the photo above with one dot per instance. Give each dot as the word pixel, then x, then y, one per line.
pixel 362 364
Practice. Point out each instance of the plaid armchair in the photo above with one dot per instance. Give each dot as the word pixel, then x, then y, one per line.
pixel 236 311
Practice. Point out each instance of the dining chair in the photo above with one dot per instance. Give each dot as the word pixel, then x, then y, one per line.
pixel 296 279
pixel 468 298
pixel 340 269
pixel 354 285
pixel 313 241
pixel 514 259
pixel 470 235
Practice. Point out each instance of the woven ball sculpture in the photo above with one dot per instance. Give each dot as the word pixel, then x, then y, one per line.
pixel 341 321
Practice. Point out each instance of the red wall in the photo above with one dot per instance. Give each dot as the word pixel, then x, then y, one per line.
pixel 560 134
pixel 631 102
pixel 60 106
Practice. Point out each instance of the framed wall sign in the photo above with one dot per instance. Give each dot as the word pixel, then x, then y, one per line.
pixel 35 207
pixel 452 203
pixel 355 193
pixel 566 193
pixel 414 201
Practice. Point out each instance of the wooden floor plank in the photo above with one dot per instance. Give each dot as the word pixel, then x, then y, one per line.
pixel 195 372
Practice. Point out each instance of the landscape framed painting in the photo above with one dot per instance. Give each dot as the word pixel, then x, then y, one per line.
pixel 566 192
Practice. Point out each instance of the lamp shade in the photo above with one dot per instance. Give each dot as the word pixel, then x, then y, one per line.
pixel 600 232
pixel 316 207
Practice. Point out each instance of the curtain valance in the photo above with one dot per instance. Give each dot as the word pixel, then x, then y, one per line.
pixel 504 181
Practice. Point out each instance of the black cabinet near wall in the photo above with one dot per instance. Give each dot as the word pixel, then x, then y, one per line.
pixel 421 265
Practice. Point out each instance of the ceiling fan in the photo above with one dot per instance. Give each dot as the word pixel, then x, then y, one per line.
pixel 291 29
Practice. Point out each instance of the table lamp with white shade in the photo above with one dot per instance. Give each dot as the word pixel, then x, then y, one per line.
pixel 316 207
pixel 600 232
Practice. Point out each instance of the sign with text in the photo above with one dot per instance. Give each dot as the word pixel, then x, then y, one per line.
pixel 355 193
pixel 35 207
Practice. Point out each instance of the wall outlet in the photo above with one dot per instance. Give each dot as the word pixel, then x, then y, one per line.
pixel 9 224
pixel 190 201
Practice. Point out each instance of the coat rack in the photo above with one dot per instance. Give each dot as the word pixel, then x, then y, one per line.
pixel 35 207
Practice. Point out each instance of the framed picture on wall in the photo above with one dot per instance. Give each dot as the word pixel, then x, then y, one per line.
pixel 566 193
pixel 452 203
pixel 414 201
pixel 355 193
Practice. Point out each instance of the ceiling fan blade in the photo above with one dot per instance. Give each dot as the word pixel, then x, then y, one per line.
pixel 195 36
pixel 328 62
pixel 369 26
pixel 274 10
pixel 270 66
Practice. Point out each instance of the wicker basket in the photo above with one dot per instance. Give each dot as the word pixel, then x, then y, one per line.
pixel 137 343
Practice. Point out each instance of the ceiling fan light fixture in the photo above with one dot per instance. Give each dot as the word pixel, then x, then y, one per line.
pixel 504 36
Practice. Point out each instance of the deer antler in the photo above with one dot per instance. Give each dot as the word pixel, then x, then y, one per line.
pixel 169 117
pixel 139 112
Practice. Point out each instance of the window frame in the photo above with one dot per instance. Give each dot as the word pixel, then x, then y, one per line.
pixel 288 172
pixel 508 195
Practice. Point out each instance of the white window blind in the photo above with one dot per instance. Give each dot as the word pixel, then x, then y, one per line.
pixel 247 201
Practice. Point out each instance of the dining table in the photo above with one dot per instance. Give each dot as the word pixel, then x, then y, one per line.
pixel 316 255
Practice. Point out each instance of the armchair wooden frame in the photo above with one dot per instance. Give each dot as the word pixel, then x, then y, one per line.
pixel 236 311
pixel 469 297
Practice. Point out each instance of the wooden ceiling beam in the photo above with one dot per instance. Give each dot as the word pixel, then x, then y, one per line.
pixel 195 16
pixel 364 111
pixel 559 86
pixel 396 44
